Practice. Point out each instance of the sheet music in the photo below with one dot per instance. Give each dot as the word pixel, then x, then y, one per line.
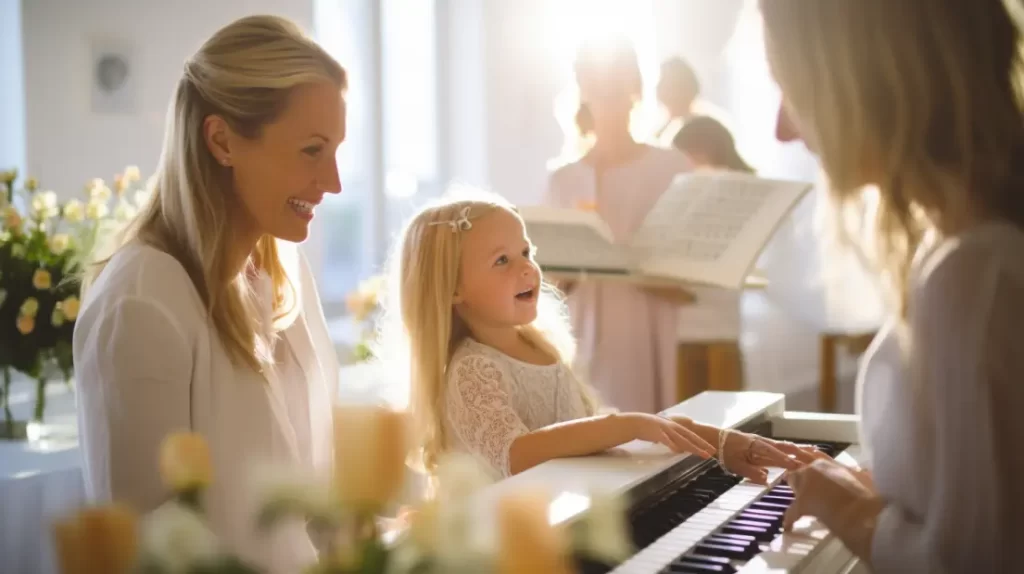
pixel 701 224
pixel 574 240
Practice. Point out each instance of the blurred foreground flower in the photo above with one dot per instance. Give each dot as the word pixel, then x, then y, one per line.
pixel 370 448
pixel 527 542
pixel 185 465
pixel 97 541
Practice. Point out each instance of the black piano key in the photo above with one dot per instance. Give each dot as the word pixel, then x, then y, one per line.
pixel 739 538
pixel 776 499
pixel 751 523
pixel 698 568
pixel 770 506
pixel 725 550
pixel 704 559
pixel 759 533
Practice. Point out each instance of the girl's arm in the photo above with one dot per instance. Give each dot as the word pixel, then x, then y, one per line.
pixel 599 433
pixel 482 418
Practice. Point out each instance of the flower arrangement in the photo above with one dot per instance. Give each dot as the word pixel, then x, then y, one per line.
pixel 43 245
pixel 453 532
pixel 364 307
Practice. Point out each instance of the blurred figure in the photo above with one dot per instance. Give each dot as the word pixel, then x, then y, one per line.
pixel 678 91
pixel 627 333
pixel 709 330
pixel 709 145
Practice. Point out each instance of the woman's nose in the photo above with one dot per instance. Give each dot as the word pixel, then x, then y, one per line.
pixel 785 128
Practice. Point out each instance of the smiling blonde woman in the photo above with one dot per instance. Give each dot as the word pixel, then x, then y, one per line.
pixel 205 318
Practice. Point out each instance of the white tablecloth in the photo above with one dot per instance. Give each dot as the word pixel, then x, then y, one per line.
pixel 40 481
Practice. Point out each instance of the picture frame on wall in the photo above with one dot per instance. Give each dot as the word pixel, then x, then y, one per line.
pixel 113 77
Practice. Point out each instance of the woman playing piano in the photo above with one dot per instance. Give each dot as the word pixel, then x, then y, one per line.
pixel 918 101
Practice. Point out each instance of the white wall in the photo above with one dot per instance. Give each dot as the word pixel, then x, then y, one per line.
pixel 12 92
pixel 67 143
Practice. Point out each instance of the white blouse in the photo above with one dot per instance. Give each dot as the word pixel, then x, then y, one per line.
pixel 943 447
pixel 149 362
pixel 491 399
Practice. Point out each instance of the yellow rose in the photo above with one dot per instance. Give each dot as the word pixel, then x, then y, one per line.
pixel 31 184
pixel 29 307
pixel 370 448
pixel 527 542
pixel 42 280
pixel 185 462
pixel 74 211
pixel 12 219
pixel 120 185
pixel 96 209
pixel 8 176
pixel 70 307
pixel 132 174
pixel 57 317
pixel 101 539
pixel 26 324
pixel 59 243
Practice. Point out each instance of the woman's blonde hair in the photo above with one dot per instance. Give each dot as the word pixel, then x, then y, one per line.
pixel 920 98
pixel 245 74
pixel 422 320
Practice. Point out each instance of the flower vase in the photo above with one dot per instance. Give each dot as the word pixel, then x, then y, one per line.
pixel 10 429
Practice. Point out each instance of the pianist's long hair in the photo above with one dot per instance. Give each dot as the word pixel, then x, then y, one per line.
pixel 918 101
pixel 421 329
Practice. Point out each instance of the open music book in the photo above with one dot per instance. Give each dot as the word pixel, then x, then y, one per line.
pixel 707 228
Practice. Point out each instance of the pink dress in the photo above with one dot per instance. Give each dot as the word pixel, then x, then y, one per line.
pixel 626 336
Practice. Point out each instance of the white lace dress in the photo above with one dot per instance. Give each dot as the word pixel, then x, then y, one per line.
pixel 491 399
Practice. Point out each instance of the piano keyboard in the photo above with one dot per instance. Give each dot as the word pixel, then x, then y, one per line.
pixel 717 523
pixel 686 515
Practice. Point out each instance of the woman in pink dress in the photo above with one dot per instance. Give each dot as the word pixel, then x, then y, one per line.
pixel 626 333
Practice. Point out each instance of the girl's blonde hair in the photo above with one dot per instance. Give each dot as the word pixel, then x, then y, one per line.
pixel 245 74
pixel 422 321
pixel 919 98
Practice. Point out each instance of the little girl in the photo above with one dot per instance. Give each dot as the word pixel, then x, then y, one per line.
pixel 489 350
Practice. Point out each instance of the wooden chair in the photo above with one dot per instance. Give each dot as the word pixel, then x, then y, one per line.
pixel 830 343
pixel 712 365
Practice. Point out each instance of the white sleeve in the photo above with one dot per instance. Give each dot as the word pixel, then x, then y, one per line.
pixel 965 326
pixel 133 368
pixel 480 410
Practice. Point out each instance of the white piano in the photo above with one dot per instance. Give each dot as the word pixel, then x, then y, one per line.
pixel 688 516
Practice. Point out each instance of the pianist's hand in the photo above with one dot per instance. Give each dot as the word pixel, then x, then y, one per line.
pixel 839 497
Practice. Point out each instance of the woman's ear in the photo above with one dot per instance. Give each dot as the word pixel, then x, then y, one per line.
pixel 217 135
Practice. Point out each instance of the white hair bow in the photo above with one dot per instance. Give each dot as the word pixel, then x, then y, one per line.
pixel 461 223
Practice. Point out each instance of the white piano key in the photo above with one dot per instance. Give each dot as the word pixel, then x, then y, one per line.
pixel 687 535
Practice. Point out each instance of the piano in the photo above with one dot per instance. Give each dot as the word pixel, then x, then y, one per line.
pixel 686 515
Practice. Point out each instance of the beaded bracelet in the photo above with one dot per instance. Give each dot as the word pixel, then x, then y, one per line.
pixel 723 435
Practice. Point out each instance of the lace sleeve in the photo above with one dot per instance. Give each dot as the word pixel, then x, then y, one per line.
pixel 480 410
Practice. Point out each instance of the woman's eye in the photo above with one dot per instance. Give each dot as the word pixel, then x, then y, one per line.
pixel 313 150
pixel 501 260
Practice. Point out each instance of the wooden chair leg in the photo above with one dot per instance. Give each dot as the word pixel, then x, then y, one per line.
pixel 827 382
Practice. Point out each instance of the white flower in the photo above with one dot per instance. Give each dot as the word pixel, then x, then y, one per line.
pixel 293 488
pixel 96 209
pixel 98 190
pixel 74 211
pixel 177 538
pixel 604 532
pixel 59 243
pixel 124 211
pixel 131 174
pixel 461 523
pixel 142 197
pixel 44 204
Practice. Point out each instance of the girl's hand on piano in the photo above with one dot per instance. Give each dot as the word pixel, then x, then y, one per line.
pixel 663 430
pixel 750 455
